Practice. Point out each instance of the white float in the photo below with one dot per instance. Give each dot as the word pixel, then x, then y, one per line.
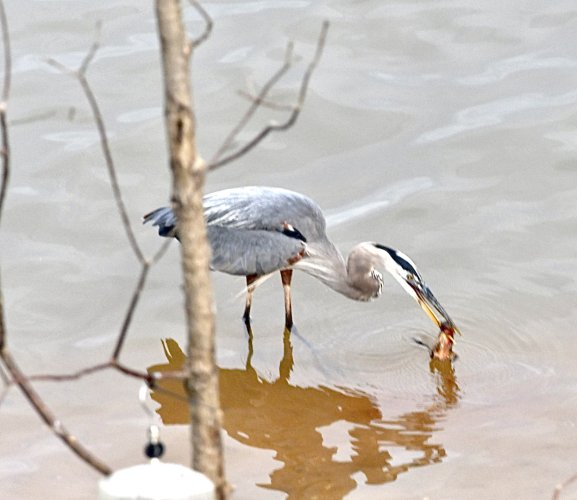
pixel 156 481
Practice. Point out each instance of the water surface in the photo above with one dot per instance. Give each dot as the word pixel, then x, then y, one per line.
pixel 445 129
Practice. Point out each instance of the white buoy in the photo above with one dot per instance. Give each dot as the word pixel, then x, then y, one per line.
pixel 156 481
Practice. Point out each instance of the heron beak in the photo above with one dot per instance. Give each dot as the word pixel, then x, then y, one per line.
pixel 402 268
pixel 432 307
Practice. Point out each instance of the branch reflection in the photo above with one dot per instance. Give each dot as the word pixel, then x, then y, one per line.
pixel 289 420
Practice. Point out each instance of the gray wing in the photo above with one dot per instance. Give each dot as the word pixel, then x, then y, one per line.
pixel 252 251
pixel 254 230
pixel 265 208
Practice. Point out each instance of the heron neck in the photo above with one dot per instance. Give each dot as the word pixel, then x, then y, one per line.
pixel 327 264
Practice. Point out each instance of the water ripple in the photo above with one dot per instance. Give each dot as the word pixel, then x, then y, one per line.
pixel 231 9
pixel 495 112
pixel 378 200
pixel 525 62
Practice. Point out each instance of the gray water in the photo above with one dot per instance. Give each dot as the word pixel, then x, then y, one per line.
pixel 445 129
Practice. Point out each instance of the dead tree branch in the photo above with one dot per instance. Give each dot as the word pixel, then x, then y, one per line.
pixel 220 158
pixel 91 370
pixel 188 173
pixel 48 417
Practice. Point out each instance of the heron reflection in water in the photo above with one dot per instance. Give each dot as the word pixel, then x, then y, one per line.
pixel 278 416
pixel 255 231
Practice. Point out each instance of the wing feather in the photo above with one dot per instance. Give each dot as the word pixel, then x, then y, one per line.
pixel 246 252
pixel 265 208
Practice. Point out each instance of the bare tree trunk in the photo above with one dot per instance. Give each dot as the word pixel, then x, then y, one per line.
pixel 188 171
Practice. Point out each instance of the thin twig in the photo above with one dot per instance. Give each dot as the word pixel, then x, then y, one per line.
pixel 2 322
pixel 560 487
pixel 49 418
pixel 3 126
pixel 130 311
pixel 4 376
pixel 6 382
pixel 219 160
pixel 5 143
pixel 203 37
pixel 80 75
pixel 7 54
pixel 91 370
pixel 150 378
pixel 265 104
pixel 132 373
pixel 88 58
pixel 71 376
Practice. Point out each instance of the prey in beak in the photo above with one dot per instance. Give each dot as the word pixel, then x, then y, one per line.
pixel 429 303
pixel 443 348
pixel 402 268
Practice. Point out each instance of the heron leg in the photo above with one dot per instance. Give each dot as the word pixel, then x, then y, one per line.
pixel 286 276
pixel 249 291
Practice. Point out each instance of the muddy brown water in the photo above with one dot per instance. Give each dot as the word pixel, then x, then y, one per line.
pixel 444 129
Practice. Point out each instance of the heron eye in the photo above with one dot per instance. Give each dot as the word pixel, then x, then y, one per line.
pixel 410 277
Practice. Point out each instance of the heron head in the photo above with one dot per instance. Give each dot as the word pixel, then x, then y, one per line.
pixel 403 269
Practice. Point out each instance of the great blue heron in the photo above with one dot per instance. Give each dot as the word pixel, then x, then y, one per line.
pixel 255 231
